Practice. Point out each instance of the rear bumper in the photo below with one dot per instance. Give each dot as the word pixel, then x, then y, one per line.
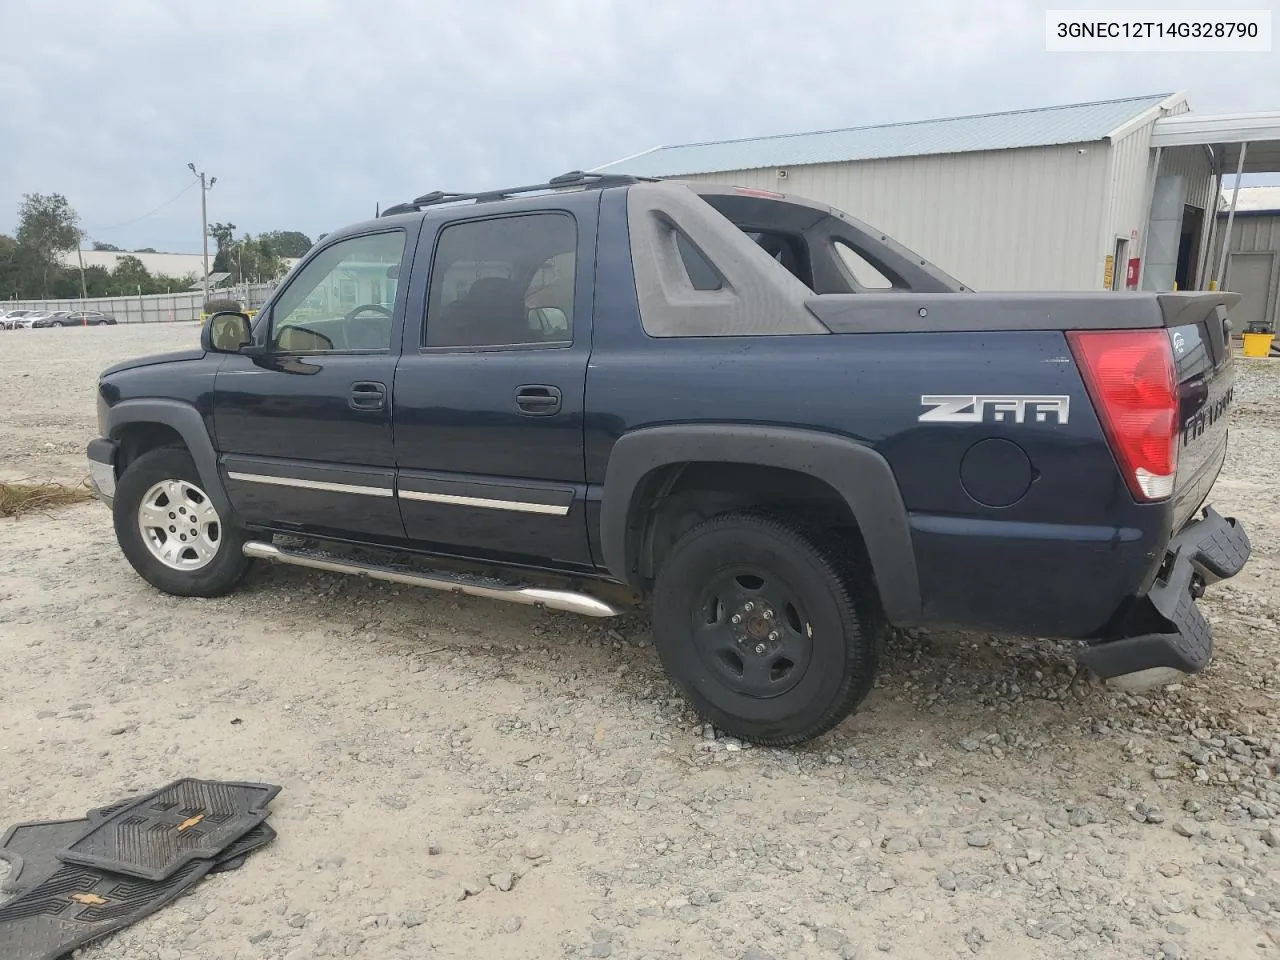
pixel 102 469
pixel 1206 550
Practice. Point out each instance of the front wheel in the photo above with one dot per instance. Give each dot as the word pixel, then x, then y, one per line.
pixel 170 531
pixel 772 630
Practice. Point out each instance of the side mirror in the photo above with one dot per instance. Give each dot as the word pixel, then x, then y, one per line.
pixel 549 319
pixel 226 332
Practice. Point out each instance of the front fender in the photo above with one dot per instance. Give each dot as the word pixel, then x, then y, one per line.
pixel 855 471
pixel 186 420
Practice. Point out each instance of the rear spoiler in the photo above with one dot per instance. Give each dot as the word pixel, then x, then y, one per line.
pixel 1193 306
pixel 906 312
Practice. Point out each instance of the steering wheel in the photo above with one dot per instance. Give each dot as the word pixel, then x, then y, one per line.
pixel 351 314
pixel 368 332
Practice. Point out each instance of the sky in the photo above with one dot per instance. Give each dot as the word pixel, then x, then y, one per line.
pixel 310 112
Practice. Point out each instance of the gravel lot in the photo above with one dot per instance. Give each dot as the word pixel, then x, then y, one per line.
pixel 469 779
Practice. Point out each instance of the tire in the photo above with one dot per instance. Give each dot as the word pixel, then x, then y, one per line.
pixel 806 649
pixel 210 563
pixel 57 323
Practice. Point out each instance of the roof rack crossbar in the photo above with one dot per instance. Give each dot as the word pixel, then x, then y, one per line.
pixel 574 178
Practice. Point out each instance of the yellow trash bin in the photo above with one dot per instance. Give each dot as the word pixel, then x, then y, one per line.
pixel 1257 344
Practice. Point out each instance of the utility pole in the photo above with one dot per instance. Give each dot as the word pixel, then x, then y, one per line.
pixel 204 220
pixel 84 291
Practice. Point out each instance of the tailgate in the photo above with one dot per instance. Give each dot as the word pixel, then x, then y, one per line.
pixel 1200 335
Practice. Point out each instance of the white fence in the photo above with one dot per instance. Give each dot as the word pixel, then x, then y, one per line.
pixel 152 308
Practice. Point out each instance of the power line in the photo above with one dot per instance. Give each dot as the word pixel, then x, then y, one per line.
pixel 116 226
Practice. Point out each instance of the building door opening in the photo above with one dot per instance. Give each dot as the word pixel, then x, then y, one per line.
pixel 1119 263
pixel 1189 247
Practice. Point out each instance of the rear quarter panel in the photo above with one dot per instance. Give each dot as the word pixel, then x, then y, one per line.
pixel 1058 561
pixel 1063 560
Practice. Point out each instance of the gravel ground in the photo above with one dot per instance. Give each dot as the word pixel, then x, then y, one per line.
pixel 465 778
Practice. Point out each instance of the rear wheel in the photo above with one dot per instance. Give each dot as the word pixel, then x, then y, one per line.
pixel 171 532
pixel 772 630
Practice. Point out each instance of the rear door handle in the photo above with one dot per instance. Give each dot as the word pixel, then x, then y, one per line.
pixel 368 395
pixel 538 400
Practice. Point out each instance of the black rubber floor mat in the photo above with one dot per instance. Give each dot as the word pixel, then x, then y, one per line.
pixel 187 821
pixel 32 848
pixel 98 814
pixel 77 905
pixel 234 856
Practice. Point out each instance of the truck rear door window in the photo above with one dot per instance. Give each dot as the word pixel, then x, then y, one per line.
pixel 505 281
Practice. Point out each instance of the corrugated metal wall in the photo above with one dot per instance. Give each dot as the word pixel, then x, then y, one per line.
pixel 1130 169
pixel 1130 186
pixel 1253 233
pixel 1249 233
pixel 1192 163
pixel 1025 219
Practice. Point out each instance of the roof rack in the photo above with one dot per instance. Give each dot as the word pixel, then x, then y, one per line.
pixel 574 178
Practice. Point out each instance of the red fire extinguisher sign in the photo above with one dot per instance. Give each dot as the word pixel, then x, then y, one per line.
pixel 1131 275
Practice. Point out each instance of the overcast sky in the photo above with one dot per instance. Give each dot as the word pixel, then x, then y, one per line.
pixel 311 111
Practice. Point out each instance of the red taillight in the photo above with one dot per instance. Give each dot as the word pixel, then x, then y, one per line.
pixel 1131 378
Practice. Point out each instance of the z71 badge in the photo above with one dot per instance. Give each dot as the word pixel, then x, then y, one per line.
pixel 1000 409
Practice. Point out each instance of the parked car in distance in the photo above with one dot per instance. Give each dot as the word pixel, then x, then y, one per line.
pixel 55 318
pixel 10 320
pixel 29 319
pixel 87 318
pixel 685 392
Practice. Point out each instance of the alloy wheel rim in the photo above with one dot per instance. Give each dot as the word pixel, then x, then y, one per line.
pixel 179 525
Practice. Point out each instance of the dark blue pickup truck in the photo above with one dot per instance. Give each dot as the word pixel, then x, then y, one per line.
pixel 780 427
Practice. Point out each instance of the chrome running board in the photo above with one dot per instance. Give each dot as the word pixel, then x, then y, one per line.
pixel 566 600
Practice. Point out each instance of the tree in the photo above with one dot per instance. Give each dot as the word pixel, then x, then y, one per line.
pixel 97 281
pixel 46 227
pixel 146 250
pixel 224 236
pixel 11 273
pixel 47 224
pixel 109 247
pixel 252 259
pixel 269 264
pixel 287 243
pixel 130 274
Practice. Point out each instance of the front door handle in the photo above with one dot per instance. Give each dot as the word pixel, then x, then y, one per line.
pixel 538 400
pixel 368 395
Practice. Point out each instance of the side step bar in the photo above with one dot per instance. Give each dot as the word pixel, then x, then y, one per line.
pixel 566 600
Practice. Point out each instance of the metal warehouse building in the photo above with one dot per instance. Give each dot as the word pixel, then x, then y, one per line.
pixel 1253 256
pixel 1077 197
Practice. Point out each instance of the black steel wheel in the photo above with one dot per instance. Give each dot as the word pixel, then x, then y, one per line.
pixel 771 629
pixel 751 631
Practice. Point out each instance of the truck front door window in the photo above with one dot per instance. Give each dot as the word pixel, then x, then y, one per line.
pixel 341 302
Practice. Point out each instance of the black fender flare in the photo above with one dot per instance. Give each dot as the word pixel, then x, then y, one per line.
pixel 855 471
pixel 189 424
